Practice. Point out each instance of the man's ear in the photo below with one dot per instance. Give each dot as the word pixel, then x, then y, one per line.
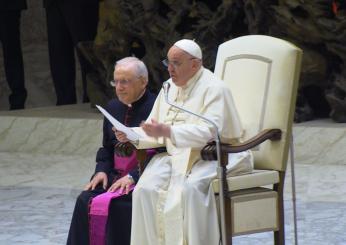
pixel 144 81
pixel 196 64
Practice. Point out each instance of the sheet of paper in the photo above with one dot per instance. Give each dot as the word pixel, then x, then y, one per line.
pixel 131 135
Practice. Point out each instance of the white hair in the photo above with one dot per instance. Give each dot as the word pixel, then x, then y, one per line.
pixel 140 68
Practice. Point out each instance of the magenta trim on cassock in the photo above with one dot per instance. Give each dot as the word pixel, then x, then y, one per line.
pixel 99 205
pixel 98 215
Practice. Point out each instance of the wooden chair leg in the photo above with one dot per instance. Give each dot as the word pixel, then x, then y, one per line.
pixel 228 213
pixel 279 236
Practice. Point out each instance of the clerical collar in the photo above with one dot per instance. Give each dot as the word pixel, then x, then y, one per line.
pixel 140 99
pixel 193 79
pixel 185 90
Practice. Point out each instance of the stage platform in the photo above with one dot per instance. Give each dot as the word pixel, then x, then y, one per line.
pixel 47 155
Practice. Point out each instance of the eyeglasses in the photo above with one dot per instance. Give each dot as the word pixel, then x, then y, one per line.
pixel 124 83
pixel 175 64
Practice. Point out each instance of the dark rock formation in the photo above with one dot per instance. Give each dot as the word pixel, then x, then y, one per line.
pixel 148 28
pixel 321 33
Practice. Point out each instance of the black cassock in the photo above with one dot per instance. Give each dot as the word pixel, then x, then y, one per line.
pixel 119 219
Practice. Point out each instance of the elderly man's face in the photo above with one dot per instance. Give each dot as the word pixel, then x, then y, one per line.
pixel 128 86
pixel 181 66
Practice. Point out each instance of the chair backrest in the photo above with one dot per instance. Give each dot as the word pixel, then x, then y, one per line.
pixel 262 72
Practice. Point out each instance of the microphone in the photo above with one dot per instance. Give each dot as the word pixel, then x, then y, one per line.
pixel 166 86
pixel 221 171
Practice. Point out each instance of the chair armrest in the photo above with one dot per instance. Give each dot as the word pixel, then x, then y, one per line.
pixel 124 149
pixel 209 151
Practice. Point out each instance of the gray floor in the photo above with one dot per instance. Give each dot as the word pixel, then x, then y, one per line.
pixel 36 203
pixel 38 189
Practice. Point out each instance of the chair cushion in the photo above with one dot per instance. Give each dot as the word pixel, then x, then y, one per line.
pixel 256 178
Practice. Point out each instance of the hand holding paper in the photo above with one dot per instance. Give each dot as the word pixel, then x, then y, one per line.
pixel 131 135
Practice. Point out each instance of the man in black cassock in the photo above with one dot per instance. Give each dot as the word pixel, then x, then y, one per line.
pixel 132 106
pixel 10 12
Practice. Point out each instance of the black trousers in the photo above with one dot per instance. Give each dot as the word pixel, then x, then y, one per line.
pixel 68 23
pixel 13 59
pixel 118 230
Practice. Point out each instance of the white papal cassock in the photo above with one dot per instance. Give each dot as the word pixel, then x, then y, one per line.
pixel 173 202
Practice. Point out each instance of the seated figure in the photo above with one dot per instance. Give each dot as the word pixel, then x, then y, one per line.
pixel 173 201
pixel 133 104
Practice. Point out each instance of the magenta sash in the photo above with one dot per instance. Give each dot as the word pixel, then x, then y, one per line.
pixel 125 164
pixel 98 215
pixel 99 205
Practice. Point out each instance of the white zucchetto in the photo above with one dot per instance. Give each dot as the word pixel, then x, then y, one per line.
pixel 190 47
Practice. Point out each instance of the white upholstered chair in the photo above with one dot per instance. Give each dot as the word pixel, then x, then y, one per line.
pixel 262 72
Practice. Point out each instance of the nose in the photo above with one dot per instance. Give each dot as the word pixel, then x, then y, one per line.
pixel 119 87
pixel 170 67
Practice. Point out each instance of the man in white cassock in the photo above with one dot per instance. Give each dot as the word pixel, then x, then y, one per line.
pixel 173 201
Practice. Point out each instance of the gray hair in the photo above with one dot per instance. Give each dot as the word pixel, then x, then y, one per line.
pixel 140 68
